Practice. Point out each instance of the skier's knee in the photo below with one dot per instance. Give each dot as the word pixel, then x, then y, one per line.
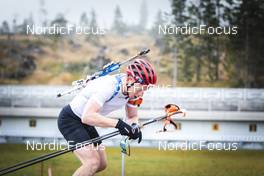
pixel 92 165
pixel 102 166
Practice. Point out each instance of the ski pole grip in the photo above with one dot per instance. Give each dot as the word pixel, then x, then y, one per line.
pixel 143 52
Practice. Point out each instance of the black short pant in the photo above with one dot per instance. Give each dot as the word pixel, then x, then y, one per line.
pixel 72 128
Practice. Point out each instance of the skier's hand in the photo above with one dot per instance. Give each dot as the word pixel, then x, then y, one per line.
pixel 124 128
pixel 136 132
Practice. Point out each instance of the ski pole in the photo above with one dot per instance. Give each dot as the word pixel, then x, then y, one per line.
pixel 72 148
pixel 55 154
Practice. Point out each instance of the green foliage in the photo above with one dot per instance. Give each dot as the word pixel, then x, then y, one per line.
pixel 118 24
pixel 92 38
pixel 84 21
pixel 201 56
pixel 248 44
pixel 143 20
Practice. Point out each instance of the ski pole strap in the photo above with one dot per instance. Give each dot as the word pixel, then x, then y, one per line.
pixel 117 88
pixel 125 146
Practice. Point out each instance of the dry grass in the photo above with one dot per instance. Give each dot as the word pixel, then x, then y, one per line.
pixel 50 65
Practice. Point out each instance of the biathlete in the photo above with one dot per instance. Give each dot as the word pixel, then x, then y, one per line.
pixel 88 109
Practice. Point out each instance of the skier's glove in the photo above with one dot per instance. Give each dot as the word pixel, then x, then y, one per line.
pixel 136 132
pixel 124 128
